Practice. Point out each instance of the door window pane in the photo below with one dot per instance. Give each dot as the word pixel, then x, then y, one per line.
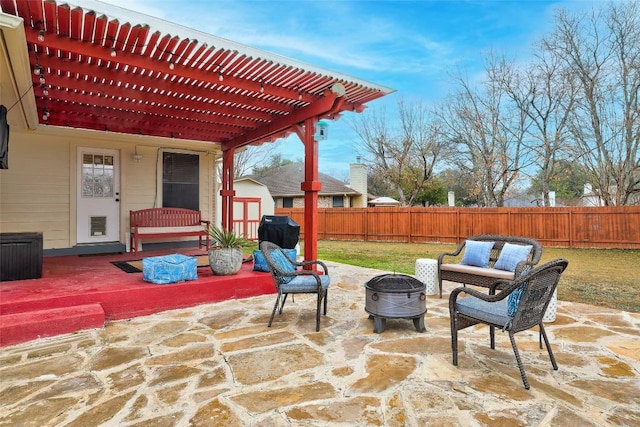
pixel 97 176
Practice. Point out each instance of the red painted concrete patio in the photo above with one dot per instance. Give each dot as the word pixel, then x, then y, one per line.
pixel 81 292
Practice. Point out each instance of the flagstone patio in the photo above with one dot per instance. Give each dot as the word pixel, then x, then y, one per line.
pixel 219 364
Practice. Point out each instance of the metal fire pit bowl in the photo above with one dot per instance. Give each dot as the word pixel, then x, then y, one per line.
pixel 395 296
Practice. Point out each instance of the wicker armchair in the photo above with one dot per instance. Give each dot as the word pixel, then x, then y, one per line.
pixel 450 269
pixel 290 280
pixel 534 290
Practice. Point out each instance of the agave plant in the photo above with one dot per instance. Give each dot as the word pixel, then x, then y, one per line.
pixel 225 238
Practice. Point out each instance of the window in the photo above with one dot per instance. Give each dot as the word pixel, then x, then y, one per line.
pixel 287 202
pixel 338 202
pixel 181 181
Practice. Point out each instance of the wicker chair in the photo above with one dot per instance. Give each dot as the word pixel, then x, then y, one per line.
pixel 290 280
pixel 502 310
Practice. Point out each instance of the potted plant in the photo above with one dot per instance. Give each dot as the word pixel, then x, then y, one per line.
pixel 225 252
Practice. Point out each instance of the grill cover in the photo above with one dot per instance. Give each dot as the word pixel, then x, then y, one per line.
pixel 281 230
pixel 395 283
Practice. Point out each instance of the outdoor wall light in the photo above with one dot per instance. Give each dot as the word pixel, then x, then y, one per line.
pixel 172 66
pixel 135 156
pixel 37 69
pixel 41 35
pixel 322 131
pixel 45 114
pixel 45 90
pixel 113 52
pixel 42 79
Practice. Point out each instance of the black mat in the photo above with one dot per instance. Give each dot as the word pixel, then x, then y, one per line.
pixel 126 267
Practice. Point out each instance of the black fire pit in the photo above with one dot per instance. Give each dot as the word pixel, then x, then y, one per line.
pixel 395 296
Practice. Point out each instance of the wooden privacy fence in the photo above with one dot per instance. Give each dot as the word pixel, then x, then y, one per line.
pixel 573 227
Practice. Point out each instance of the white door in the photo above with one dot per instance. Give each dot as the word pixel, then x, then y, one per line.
pixel 98 193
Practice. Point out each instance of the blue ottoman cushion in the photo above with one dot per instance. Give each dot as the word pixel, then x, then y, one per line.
pixel 162 270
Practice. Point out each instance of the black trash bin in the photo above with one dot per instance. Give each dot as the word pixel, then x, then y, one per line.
pixel 281 230
pixel 20 256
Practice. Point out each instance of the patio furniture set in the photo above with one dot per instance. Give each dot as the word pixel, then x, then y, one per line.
pixel 519 291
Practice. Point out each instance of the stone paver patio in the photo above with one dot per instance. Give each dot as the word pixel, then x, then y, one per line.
pixel 219 365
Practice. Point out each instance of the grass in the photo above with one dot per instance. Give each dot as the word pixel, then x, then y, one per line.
pixel 602 277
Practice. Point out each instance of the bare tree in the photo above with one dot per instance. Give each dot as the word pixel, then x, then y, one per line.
pixel 542 92
pixel 488 132
pixel 601 50
pixel 404 158
pixel 254 156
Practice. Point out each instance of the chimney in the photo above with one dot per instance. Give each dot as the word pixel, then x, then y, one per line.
pixel 358 181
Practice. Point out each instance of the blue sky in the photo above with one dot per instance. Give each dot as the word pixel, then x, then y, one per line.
pixel 411 46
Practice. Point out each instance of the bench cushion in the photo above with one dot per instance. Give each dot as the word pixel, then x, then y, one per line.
pixel 161 230
pixel 478 271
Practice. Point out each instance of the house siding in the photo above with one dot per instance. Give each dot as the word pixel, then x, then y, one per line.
pixel 38 191
pixel 323 202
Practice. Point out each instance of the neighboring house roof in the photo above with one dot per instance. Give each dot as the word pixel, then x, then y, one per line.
pixel 248 178
pixel 284 181
pixel 384 201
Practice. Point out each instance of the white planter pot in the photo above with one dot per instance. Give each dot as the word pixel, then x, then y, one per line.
pixel 225 261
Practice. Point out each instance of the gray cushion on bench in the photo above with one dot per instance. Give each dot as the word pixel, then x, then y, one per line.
pixel 479 271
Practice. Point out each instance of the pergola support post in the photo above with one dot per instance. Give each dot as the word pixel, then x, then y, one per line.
pixel 311 187
pixel 227 192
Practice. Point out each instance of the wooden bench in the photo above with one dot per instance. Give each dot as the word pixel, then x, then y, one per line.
pixel 167 222
pixel 455 271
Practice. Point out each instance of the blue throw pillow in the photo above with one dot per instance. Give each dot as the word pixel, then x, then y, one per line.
pixel 260 262
pixel 511 255
pixel 514 300
pixel 477 253
pixel 281 261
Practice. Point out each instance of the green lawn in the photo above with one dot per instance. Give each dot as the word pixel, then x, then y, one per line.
pixel 603 277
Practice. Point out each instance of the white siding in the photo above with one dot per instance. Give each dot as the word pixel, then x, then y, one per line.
pixel 38 191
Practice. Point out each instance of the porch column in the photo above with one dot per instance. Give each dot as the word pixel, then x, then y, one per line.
pixel 227 191
pixel 311 186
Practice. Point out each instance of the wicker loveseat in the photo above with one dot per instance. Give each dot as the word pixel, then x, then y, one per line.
pixel 453 267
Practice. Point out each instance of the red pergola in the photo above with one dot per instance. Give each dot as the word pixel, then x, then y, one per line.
pixel 92 71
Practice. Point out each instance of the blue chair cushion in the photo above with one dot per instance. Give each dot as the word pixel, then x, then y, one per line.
pixel 514 300
pixel 282 263
pixel 492 312
pixel 477 253
pixel 304 283
pixel 511 255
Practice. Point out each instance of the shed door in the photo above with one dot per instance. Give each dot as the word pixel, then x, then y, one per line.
pixel 98 193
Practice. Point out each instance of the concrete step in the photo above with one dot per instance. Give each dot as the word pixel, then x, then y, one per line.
pixel 21 327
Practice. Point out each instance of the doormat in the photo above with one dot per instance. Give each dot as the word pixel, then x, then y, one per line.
pixel 135 265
